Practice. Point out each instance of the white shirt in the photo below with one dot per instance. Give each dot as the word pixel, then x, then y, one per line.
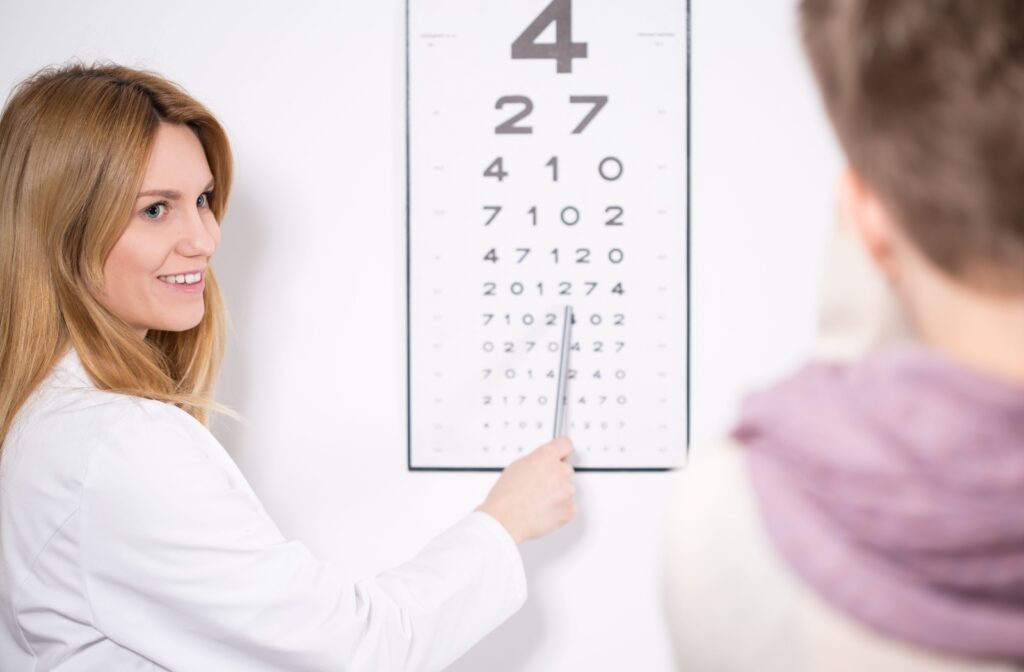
pixel 129 540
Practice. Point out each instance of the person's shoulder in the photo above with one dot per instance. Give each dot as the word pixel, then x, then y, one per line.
pixel 729 603
pixel 715 527
pixel 723 457
pixel 713 483
pixel 712 499
pixel 734 603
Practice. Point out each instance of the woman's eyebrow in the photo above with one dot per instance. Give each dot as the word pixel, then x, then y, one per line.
pixel 168 194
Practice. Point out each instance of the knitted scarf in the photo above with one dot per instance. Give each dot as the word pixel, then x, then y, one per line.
pixel 895 488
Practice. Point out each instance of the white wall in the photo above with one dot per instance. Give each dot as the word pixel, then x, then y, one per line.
pixel 311 263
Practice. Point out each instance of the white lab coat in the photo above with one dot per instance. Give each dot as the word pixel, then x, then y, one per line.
pixel 129 540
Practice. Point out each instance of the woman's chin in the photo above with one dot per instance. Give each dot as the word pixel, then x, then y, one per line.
pixel 179 323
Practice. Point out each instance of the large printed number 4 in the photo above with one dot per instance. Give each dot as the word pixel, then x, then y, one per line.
pixel 563 49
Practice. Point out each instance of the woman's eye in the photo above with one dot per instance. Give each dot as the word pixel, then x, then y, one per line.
pixel 155 211
pixel 204 200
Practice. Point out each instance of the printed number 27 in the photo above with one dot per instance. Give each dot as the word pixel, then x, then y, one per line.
pixel 563 49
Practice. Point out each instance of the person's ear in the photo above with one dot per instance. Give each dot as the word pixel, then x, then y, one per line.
pixel 864 214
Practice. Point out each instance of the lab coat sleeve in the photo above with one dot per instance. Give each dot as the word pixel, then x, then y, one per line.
pixel 182 565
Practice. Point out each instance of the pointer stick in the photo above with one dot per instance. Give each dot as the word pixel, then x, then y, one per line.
pixel 563 373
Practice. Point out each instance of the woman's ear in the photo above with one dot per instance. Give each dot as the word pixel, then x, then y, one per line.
pixel 861 211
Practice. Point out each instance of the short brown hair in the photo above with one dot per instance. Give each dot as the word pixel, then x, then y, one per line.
pixel 927 98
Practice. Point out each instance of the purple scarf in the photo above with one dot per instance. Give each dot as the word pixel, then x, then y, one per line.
pixel 895 488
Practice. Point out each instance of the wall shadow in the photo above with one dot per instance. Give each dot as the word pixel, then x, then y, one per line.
pixel 237 262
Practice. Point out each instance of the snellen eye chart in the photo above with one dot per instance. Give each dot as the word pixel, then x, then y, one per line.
pixel 548 166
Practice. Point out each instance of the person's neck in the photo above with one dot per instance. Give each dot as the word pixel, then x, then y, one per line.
pixel 984 331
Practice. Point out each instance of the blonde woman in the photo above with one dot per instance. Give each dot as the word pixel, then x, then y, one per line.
pixel 129 539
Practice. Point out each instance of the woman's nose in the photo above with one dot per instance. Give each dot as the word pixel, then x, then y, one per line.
pixel 197 238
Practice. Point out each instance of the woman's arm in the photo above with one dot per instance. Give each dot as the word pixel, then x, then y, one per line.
pixel 183 566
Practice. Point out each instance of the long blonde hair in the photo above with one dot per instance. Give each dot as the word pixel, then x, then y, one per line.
pixel 74 144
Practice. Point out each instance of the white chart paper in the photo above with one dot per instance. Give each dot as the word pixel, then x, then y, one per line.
pixel 547 165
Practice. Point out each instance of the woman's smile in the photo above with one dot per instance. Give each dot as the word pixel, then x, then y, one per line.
pixel 191 282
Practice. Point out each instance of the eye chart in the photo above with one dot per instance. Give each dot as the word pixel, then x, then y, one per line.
pixel 548 166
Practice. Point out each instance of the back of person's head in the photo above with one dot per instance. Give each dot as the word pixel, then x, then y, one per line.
pixel 74 146
pixel 927 97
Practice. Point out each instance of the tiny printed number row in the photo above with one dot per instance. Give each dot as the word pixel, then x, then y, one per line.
pixel 572 374
pixel 551 319
pixel 511 347
pixel 522 400
pixel 541 424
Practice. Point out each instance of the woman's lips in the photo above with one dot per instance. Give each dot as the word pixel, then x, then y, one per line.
pixel 190 283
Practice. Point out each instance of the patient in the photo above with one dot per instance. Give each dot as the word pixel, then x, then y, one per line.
pixel 869 514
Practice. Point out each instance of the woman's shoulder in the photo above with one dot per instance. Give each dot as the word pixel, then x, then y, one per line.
pixel 70 434
pixel 67 419
pixel 69 406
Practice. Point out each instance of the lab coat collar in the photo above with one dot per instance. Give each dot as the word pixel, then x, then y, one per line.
pixel 70 372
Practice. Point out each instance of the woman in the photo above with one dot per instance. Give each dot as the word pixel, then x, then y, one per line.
pixel 129 539
pixel 869 515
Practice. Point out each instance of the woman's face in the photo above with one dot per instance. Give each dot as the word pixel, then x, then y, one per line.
pixel 155 275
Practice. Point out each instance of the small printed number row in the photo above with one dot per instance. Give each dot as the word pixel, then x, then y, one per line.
pixel 509 347
pixel 564 289
pixel 541 424
pixel 569 215
pixel 522 399
pixel 585 448
pixel 571 374
pixel 581 255
pixel 551 319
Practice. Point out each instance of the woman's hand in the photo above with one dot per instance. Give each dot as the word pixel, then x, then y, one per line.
pixel 535 494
